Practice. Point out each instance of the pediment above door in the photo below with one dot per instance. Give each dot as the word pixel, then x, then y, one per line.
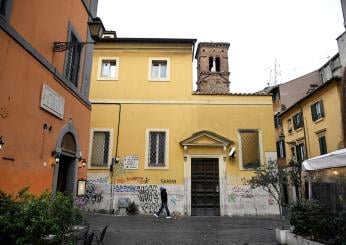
pixel 206 139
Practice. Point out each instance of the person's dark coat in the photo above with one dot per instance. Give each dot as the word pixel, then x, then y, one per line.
pixel 163 195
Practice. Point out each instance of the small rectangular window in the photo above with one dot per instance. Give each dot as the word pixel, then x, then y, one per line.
pixel 73 60
pixel 277 120
pixel 280 147
pixel 250 148
pixel 2 7
pixel 289 123
pixel 159 69
pixel 300 150
pixel 298 120
pixel 317 110
pixel 323 145
pixel 100 149
pixel 108 68
pixel 157 148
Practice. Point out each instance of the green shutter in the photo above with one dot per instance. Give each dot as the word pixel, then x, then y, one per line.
pixel 313 112
pixel 322 110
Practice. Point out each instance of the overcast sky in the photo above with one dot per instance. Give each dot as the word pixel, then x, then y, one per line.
pixel 299 34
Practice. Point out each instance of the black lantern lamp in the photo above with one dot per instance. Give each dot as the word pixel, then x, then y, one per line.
pixel 96 28
pixel 96 31
pixel 1 143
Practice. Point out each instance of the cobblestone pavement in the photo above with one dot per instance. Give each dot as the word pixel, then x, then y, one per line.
pixel 149 230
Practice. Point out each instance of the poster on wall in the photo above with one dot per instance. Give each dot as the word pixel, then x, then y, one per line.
pixel 131 162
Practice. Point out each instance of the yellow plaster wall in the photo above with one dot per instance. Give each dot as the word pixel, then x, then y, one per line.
pixel 331 123
pixel 181 122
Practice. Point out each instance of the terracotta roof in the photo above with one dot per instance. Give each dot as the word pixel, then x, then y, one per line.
pixel 229 94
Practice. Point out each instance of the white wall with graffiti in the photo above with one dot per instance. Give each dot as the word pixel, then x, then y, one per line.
pixel 99 196
pixel 240 199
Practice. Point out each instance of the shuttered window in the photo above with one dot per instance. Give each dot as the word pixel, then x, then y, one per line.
pixel 323 145
pixel 298 120
pixel 280 149
pixel 73 60
pixel 317 110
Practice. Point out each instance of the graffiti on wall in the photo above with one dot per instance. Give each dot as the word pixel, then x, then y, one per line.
pixel 242 192
pixel 92 193
pixel 148 196
pixel 168 181
pixel 139 180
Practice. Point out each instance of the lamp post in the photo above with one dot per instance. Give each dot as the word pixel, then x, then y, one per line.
pixel 96 31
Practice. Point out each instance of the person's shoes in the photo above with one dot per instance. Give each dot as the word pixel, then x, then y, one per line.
pixel 156 215
pixel 168 217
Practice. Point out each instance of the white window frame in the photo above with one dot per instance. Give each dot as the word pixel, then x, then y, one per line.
pixel 147 137
pixel 150 62
pixel 110 147
pixel 260 145
pixel 99 69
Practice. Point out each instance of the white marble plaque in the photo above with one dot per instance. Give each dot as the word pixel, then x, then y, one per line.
pixel 52 101
pixel 131 162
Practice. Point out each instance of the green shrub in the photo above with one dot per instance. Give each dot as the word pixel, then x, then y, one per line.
pixel 312 220
pixel 26 219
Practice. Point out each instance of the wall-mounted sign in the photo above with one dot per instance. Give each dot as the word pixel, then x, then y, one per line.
pixel 52 101
pixel 131 162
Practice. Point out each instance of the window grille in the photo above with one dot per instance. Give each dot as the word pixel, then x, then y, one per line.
pixel 73 60
pixel 100 149
pixel 250 149
pixel 157 148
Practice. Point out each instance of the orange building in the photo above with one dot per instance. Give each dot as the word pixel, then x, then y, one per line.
pixel 44 106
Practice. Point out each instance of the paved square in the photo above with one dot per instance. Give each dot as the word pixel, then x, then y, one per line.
pixel 149 230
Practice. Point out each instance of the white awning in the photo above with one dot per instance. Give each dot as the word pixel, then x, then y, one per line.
pixel 333 159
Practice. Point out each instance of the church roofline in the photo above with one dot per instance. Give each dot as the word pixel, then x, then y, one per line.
pixel 211 44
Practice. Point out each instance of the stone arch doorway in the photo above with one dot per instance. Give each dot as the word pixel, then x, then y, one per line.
pixel 66 171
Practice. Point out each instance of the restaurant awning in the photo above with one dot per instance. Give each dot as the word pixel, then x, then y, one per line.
pixel 333 159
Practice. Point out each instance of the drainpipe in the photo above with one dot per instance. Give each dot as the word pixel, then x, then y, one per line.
pixel 305 126
pixel 114 160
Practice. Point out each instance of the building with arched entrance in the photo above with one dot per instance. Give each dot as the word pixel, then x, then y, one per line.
pixel 45 65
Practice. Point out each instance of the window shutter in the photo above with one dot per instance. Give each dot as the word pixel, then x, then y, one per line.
pixel 301 123
pixel 278 149
pixel 313 112
pixel 322 110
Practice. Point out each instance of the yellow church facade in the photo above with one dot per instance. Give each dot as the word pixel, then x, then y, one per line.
pixel 150 129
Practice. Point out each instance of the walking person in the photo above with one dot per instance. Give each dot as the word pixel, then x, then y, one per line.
pixel 163 203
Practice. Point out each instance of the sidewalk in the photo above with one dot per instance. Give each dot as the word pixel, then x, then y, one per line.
pixel 149 230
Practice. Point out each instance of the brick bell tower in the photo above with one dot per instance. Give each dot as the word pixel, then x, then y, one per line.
pixel 212 68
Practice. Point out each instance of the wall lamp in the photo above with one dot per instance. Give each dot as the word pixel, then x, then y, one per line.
pixel 56 156
pixel 82 162
pixel 1 143
pixel 96 31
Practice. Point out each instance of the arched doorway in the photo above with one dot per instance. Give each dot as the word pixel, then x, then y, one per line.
pixel 66 171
